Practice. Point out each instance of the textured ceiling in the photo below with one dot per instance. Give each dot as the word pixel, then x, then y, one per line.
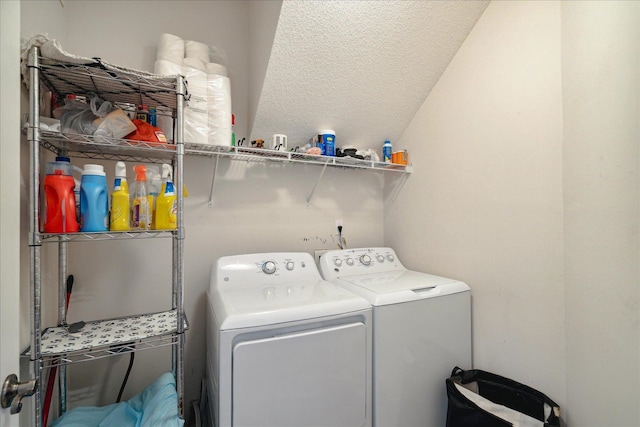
pixel 361 68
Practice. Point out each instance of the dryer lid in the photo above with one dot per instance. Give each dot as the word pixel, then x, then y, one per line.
pixel 280 303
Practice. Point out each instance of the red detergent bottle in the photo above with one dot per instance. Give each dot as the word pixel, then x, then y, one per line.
pixel 60 200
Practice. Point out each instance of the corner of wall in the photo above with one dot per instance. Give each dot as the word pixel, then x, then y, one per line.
pixel 263 22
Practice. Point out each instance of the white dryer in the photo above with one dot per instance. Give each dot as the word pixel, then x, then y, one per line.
pixel 285 347
pixel 421 331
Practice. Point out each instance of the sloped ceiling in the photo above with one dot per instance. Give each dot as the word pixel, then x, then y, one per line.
pixel 361 68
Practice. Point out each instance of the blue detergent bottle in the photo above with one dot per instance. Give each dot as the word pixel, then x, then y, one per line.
pixel 94 200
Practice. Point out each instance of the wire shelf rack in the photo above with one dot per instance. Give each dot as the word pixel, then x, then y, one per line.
pixel 111 235
pixel 89 147
pixel 105 338
pixel 108 83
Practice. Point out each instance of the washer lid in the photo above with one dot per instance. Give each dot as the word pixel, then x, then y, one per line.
pixel 401 285
pixel 283 302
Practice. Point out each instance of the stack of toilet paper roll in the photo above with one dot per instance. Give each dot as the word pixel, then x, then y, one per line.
pixel 207 117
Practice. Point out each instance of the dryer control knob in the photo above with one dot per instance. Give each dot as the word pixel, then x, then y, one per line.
pixel 390 258
pixel 380 258
pixel 337 262
pixel 269 267
pixel 289 265
pixel 365 259
pixel 349 261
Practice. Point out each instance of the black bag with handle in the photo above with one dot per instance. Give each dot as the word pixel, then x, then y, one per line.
pixel 483 399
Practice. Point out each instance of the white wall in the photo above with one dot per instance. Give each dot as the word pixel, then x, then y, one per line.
pixel 527 157
pixel 263 21
pixel 484 204
pixel 258 206
pixel 600 69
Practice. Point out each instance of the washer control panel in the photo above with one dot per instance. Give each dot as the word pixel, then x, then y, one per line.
pixel 350 262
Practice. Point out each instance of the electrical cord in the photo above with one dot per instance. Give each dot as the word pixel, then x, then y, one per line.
pixel 340 238
pixel 126 376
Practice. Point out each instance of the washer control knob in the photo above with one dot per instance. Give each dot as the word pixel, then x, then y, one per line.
pixel 289 265
pixel 390 258
pixel 365 259
pixel 337 262
pixel 269 267
pixel 349 261
pixel 380 258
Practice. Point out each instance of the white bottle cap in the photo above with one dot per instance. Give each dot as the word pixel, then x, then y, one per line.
pixel 90 169
pixel 121 170
pixel 167 172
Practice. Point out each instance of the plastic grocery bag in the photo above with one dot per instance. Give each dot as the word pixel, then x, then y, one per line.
pixel 76 117
pixel 483 399
pixel 97 117
pixel 116 125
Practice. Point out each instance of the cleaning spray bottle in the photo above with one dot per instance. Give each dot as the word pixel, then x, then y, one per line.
pixel 153 189
pixel 120 209
pixel 140 212
pixel 166 204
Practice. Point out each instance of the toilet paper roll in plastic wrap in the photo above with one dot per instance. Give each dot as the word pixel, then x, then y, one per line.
pixel 219 69
pixel 171 48
pixel 197 50
pixel 194 63
pixel 166 68
pixel 219 109
pixel 195 113
pixel 195 125
pixel 196 84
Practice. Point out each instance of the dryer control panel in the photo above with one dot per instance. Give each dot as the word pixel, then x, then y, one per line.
pixel 350 262
pixel 257 269
pixel 270 288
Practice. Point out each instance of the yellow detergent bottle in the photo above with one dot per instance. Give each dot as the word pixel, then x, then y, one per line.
pixel 166 204
pixel 140 212
pixel 120 209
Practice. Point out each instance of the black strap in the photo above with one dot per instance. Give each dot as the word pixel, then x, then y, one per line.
pixel 457 371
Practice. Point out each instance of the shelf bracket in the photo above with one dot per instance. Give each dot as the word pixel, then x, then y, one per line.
pixel 213 182
pixel 317 182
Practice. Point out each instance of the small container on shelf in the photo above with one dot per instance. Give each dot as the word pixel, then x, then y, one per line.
pixel 387 152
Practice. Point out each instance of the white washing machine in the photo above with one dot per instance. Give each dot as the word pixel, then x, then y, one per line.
pixel 421 331
pixel 285 347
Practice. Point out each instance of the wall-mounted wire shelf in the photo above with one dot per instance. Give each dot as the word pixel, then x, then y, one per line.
pixel 263 155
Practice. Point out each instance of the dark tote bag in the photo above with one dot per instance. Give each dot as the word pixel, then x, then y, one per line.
pixel 483 399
